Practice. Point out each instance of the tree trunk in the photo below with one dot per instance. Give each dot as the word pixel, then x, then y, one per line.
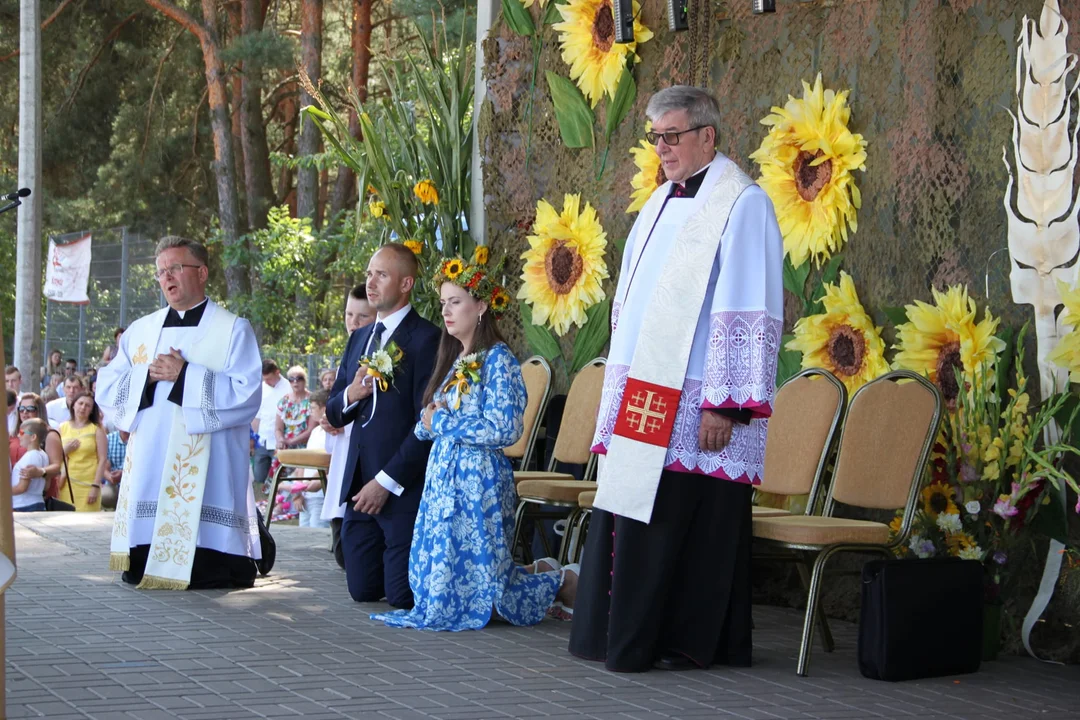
pixel 27 340
pixel 236 278
pixel 257 184
pixel 345 188
pixel 286 194
pixel 235 101
pixel 307 181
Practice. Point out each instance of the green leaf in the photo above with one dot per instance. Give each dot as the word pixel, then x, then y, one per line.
pixel 1003 367
pixel 832 269
pixel 517 17
pixel 1052 519
pixel 795 279
pixel 788 362
pixel 593 335
pixel 551 13
pixel 620 105
pixel 897 315
pixel 828 275
pixel 540 339
pixel 573 113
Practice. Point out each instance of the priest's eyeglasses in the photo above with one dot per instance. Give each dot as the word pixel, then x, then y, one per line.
pixel 173 270
pixel 671 138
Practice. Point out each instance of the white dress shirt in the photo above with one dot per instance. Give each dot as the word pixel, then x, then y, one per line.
pixel 390 325
pixel 267 416
pixel 58 411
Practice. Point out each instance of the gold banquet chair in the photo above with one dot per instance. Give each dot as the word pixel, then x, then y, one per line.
pixel 572 446
pixel 536 373
pixel 802 435
pixel 888 433
pixel 317 460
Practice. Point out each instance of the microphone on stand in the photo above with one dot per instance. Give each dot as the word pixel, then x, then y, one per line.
pixel 15 199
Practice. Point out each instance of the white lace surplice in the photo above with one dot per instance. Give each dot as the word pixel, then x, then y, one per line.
pixel 733 358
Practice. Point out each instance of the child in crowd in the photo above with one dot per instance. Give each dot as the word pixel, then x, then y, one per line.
pixel 28 494
pixel 310 500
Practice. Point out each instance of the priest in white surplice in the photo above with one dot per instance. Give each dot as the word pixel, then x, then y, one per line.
pixel 186 384
pixel 689 383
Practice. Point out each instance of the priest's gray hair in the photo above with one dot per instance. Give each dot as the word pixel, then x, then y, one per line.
pixel 197 249
pixel 702 109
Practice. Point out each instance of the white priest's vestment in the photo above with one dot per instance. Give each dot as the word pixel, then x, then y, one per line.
pixel 733 358
pixel 220 404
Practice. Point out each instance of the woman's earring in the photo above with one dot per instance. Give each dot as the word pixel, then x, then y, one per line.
pixel 479 318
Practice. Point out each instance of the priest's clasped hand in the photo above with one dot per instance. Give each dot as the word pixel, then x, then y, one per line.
pixel 715 431
pixel 371 498
pixel 167 367
pixel 359 388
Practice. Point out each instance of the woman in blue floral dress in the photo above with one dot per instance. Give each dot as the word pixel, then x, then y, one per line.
pixel 461 570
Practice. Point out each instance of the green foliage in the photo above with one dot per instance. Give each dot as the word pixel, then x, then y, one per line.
pixel 269 48
pixel 539 337
pixel 788 362
pixel 572 112
pixel 593 335
pixel 517 17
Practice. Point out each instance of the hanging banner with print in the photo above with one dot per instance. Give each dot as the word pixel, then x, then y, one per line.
pixel 67 271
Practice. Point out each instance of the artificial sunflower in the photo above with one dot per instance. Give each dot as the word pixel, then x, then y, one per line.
pixel 425 192
pixel 587 37
pixel 415 245
pixel 938 339
pixel 453 267
pixel 938 498
pixel 500 300
pixel 843 339
pixel 481 255
pixel 377 208
pixel 1067 352
pixel 564 266
pixel 650 174
pixel 806 164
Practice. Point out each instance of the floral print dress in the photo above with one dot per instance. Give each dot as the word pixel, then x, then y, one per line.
pixel 460 564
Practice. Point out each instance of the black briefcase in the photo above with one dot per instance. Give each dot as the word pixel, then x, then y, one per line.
pixel 920 618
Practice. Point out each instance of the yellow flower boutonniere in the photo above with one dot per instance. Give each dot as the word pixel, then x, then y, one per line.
pixel 382 363
pixel 466 373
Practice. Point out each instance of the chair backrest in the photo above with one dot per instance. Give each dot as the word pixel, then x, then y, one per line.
pixel 802 433
pixel 890 427
pixel 578 425
pixel 537 376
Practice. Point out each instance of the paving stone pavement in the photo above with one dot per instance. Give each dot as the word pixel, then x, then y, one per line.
pixel 81 644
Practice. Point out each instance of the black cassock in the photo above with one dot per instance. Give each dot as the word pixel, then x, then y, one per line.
pixel 677 586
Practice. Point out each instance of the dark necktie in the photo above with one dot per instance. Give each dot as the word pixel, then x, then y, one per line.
pixel 679 192
pixel 376 337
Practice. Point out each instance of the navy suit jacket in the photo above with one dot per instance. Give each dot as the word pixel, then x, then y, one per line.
pixel 387 443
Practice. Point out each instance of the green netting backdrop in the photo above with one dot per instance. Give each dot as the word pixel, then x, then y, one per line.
pixel 930 83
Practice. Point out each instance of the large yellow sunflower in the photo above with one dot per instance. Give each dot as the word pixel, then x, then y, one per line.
pixel 843 339
pixel 1067 352
pixel 938 498
pixel 650 174
pixel 564 265
pixel 587 37
pixel 937 339
pixel 806 163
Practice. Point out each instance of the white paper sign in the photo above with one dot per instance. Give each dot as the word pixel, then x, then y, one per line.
pixel 67 271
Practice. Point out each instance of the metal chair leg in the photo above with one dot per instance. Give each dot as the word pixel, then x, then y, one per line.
pixel 519 522
pixel 811 614
pixel 273 493
pixel 583 532
pixel 827 643
pixel 568 535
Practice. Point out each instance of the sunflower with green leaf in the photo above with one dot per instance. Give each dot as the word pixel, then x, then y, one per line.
pixel 587 37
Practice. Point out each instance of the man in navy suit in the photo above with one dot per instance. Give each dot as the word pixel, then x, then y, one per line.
pixel 384 473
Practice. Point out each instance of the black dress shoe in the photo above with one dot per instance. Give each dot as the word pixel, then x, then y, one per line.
pixel 675 662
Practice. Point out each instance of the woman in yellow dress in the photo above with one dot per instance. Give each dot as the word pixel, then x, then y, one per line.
pixel 87 453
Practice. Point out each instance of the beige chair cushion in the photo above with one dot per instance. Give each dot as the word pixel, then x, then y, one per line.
pixel 304 458
pixel 761 512
pixel 578 425
pixel 537 380
pixel 565 491
pixel 522 475
pixel 803 413
pixel 816 530
pixel 585 499
pixel 884 431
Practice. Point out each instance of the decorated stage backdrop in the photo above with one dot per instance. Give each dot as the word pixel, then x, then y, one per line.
pixel 930 84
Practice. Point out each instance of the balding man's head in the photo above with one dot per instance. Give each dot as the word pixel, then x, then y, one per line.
pixel 391 275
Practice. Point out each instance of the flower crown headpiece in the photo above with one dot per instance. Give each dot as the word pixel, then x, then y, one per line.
pixel 476 281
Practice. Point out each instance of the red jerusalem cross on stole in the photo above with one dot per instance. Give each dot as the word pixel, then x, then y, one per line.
pixel 647 413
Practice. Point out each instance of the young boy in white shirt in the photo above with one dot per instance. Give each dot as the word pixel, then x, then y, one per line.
pixel 309 491
pixel 27 493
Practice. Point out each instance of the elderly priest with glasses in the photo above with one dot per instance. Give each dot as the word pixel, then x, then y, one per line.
pixel 186 383
pixel 689 383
